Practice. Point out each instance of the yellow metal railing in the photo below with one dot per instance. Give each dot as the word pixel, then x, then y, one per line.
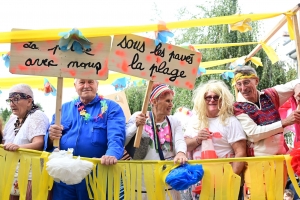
pixel 219 181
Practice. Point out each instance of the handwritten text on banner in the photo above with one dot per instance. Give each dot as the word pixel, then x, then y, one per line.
pixel 46 59
pixel 165 63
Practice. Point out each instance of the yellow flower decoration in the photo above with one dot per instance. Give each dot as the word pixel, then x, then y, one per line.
pixel 241 26
pixel 82 112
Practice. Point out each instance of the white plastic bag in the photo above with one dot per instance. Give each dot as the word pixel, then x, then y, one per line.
pixel 63 167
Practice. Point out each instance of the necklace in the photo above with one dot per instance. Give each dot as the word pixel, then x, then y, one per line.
pixel 19 124
pixel 86 116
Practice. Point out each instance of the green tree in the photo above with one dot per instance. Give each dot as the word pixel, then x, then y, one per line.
pixel 5 113
pixel 214 35
pixel 270 74
pixel 135 97
pixel 291 73
pixel 40 106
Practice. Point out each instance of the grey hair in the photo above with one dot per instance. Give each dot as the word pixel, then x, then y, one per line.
pixel 245 70
pixel 76 79
pixel 24 88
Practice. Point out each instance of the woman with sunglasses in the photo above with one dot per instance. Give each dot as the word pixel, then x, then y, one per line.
pixel 25 128
pixel 213 118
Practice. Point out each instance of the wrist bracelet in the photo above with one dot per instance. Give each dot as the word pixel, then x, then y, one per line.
pixel 197 140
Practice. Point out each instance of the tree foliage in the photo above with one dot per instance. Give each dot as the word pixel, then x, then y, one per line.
pixel 135 97
pixel 270 74
pixel 40 106
pixel 5 113
pixel 291 73
pixel 214 35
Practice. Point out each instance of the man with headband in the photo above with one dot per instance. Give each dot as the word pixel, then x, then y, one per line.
pixel 258 113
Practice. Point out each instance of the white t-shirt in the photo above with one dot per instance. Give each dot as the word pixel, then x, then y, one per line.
pixel 35 124
pixel 230 133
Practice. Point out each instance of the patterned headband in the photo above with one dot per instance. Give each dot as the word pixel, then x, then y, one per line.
pixel 158 90
pixel 19 95
pixel 240 76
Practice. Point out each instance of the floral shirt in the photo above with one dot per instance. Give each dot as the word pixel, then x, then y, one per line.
pixel 170 137
pixel 164 134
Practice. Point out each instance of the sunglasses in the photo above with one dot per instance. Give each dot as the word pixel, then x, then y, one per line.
pixel 209 98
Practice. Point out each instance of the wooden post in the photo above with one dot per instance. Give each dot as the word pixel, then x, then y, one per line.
pixel 58 106
pixel 297 41
pixel 270 35
pixel 144 111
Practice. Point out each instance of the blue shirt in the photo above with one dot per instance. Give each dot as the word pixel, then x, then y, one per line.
pixel 94 137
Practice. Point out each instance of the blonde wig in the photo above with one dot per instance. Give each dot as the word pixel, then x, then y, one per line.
pixel 226 100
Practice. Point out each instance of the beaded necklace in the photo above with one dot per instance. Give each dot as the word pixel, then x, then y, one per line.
pixel 86 116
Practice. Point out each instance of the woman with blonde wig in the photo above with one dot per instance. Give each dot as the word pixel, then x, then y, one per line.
pixel 213 119
pixel 213 108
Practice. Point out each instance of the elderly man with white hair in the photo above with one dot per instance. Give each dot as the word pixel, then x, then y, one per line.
pixel 25 128
pixel 94 127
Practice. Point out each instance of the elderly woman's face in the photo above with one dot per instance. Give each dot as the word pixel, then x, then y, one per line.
pixel 164 105
pixel 19 104
pixel 212 101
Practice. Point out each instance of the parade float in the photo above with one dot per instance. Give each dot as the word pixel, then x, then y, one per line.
pixel 43 53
